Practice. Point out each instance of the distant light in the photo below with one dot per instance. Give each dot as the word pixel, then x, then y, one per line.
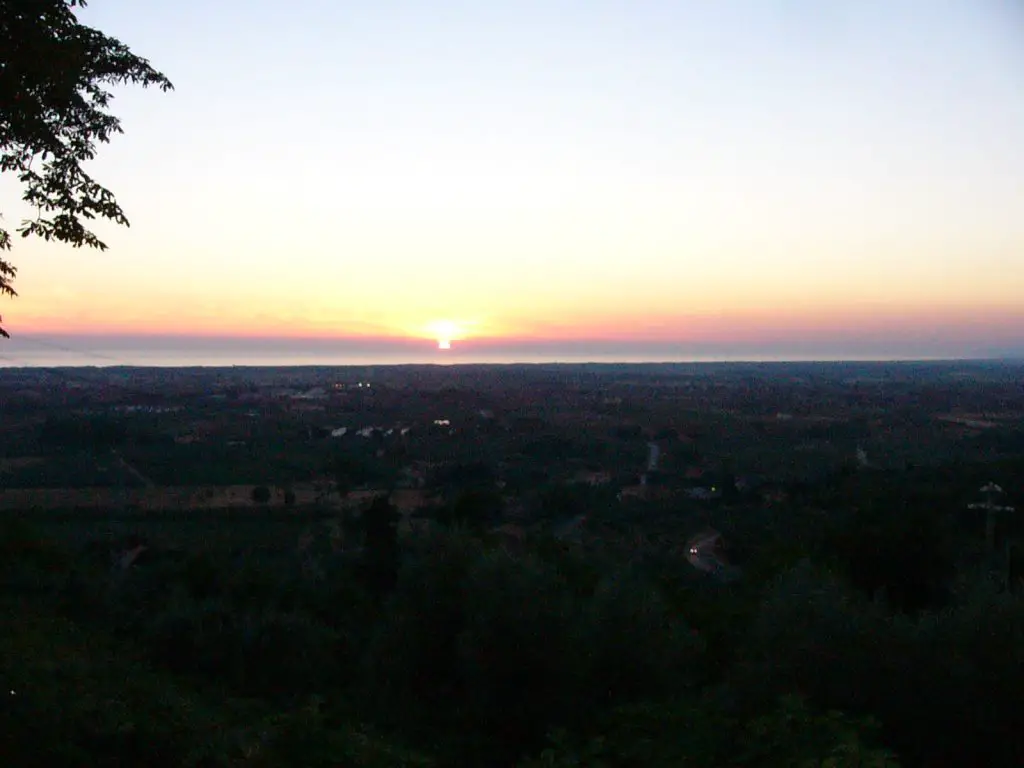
pixel 444 344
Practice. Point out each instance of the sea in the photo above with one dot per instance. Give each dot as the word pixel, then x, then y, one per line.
pixel 55 351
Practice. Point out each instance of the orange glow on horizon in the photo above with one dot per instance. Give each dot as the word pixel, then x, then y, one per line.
pixel 713 318
pixel 747 326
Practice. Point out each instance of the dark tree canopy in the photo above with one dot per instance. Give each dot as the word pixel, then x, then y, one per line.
pixel 55 75
pixel 380 551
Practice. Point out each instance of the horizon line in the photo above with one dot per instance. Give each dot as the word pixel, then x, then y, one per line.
pixel 55 350
pixel 1009 359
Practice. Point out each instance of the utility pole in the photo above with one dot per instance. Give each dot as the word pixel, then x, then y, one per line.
pixel 992 508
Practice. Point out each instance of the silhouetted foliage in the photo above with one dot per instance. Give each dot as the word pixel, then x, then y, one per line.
pixel 54 99
pixel 561 501
pixel 466 475
pixel 77 432
pixel 849 630
pixel 908 552
pixel 353 469
pixel 380 545
pixel 705 735
pixel 474 508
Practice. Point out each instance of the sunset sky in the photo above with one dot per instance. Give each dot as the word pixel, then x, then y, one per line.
pixel 758 175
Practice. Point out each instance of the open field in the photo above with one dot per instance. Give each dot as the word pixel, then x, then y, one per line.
pixel 233 497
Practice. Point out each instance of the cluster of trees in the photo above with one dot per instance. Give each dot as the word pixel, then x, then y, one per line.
pixel 852 638
pixel 470 655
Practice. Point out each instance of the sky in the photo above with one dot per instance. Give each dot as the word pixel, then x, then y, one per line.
pixel 767 176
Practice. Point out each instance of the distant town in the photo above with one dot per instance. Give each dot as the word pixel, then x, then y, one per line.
pixel 702 435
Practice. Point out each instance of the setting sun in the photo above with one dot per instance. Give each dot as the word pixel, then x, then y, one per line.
pixel 446 331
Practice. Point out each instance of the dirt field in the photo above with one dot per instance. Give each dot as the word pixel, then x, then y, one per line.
pixel 185 498
pixel 10 465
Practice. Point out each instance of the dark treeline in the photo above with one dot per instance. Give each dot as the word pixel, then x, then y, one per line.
pixel 873 624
